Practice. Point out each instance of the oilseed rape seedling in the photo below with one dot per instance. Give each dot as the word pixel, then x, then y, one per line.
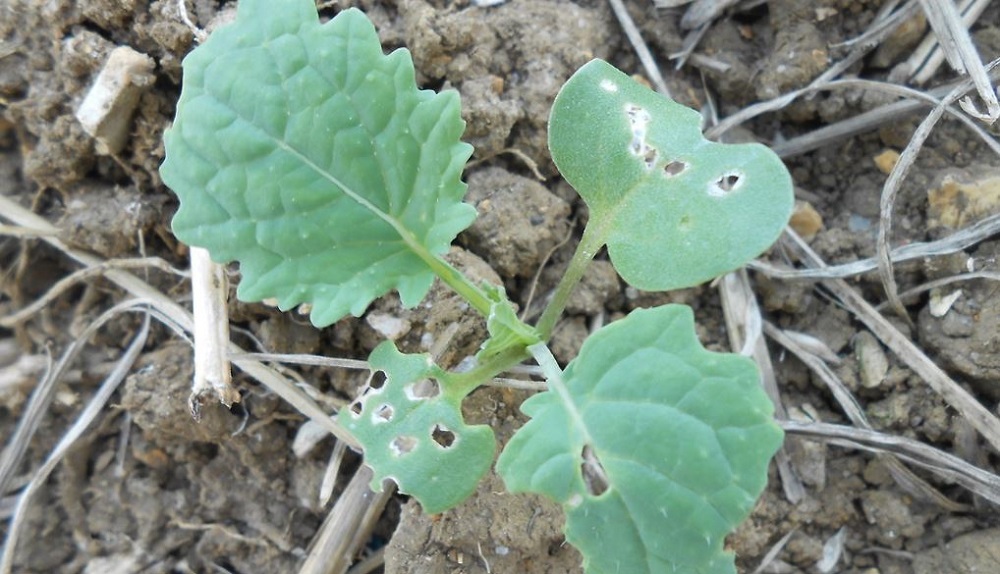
pixel 306 154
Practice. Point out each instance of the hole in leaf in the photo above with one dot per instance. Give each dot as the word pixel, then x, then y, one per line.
pixel 650 158
pixel 638 119
pixel 443 436
pixel 594 476
pixel 377 380
pixel 674 168
pixel 384 413
pixel 356 407
pixel 402 445
pixel 727 183
pixel 425 389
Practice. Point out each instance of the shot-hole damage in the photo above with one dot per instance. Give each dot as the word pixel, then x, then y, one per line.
pixel 402 445
pixel 377 380
pixel 383 413
pixel 638 119
pixel 594 477
pixel 674 168
pixel 725 184
pixel 444 437
pixel 422 390
pixel 650 158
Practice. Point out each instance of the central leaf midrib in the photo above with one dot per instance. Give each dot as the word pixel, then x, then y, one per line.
pixel 408 238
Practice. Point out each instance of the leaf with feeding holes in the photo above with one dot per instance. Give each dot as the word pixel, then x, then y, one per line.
pixel 673 208
pixel 413 432
pixel 675 440
pixel 302 151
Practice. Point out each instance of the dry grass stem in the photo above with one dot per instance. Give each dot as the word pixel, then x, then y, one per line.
pixel 914 452
pixel 956 43
pixel 348 526
pixel 369 563
pixel 773 553
pixel 862 123
pixel 923 64
pixel 303 359
pixel 332 472
pixel 640 47
pixel 954 243
pixel 891 188
pixel 89 413
pixel 21 232
pixel 967 406
pixel 183 319
pixel 213 377
pixel 44 392
pixel 72 279
pixel 739 306
pixel 884 24
pixel 849 404
pixel 702 12
pixel 923 288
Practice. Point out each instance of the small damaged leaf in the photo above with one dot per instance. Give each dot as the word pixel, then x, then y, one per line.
pixel 673 208
pixel 413 433
pixel 658 450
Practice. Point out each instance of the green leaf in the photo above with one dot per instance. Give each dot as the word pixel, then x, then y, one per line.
pixel 306 154
pixel 683 435
pixel 505 329
pixel 413 432
pixel 673 208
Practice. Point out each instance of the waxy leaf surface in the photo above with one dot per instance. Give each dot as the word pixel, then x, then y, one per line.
pixel 302 151
pixel 673 208
pixel 684 437
pixel 413 432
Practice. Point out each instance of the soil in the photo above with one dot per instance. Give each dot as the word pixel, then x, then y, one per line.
pixel 149 490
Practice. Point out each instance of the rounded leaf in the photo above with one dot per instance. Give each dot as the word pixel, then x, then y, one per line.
pixel 683 435
pixel 674 209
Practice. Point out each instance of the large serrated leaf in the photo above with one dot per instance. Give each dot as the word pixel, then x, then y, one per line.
pixel 673 208
pixel 413 432
pixel 306 154
pixel 684 437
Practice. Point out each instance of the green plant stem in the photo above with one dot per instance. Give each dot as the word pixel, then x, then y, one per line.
pixel 456 280
pixel 470 380
pixel 554 379
pixel 592 240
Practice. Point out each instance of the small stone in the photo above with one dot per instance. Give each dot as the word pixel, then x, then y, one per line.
pixel 872 360
pixel 900 43
pixel 389 326
pixel 940 303
pixel 886 160
pixel 963 198
pixel 806 221
pixel 106 111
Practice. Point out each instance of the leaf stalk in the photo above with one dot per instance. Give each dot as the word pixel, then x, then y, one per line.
pixel 593 239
